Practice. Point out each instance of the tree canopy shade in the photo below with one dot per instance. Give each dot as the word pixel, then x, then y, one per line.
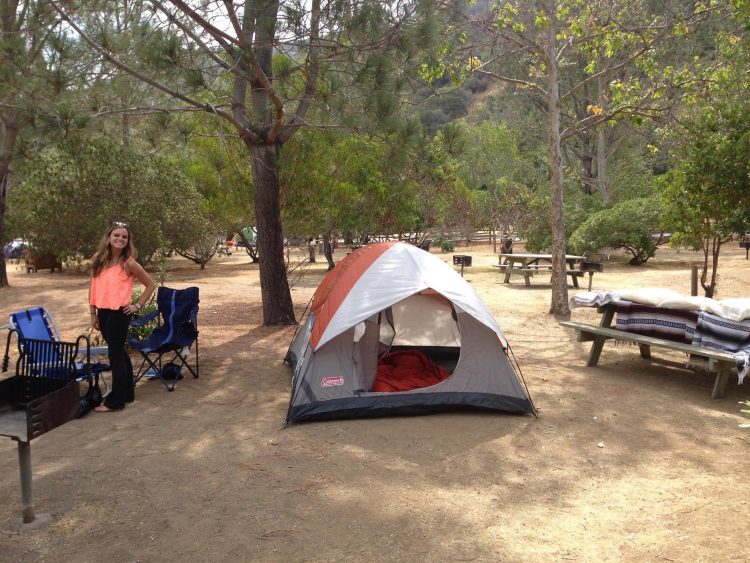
pixel 221 55
pixel 602 57
pixel 75 190
pixel 41 70
pixel 370 186
pixel 707 195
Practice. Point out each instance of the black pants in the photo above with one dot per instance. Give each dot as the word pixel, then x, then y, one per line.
pixel 114 327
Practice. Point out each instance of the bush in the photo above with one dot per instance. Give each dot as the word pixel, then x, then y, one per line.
pixel 446 244
pixel 71 193
pixel 141 332
pixel 627 225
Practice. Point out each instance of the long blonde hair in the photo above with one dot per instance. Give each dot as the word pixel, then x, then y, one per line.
pixel 103 253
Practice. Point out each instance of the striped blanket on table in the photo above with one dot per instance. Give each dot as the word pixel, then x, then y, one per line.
pixel 674 325
pixel 719 333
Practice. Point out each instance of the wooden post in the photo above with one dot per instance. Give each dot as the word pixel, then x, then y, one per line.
pixel 694 280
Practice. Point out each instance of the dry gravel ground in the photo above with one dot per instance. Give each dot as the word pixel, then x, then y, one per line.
pixel 631 461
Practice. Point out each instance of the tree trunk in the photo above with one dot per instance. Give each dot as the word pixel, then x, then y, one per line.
pixel 311 250
pixel 8 134
pixel 328 242
pixel 601 144
pixel 559 304
pixel 587 169
pixel 711 248
pixel 125 130
pixel 3 195
pixel 274 286
pixel 601 165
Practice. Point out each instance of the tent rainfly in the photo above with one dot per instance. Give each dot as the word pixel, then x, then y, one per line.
pixel 393 329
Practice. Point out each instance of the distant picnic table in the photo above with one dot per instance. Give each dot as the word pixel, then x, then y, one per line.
pixel 528 265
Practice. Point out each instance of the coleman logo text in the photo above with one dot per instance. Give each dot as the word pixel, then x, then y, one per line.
pixel 332 381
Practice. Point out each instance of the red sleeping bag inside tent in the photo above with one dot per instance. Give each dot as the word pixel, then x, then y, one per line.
pixel 410 369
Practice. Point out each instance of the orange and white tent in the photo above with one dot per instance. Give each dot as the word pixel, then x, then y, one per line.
pixel 393 302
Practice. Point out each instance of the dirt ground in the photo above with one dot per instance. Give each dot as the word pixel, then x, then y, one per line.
pixel 630 461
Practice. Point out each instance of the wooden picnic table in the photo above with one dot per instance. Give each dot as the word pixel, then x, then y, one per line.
pixel 527 265
pixel 718 362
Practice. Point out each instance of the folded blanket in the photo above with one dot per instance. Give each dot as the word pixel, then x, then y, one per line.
pixel 674 325
pixel 719 333
pixel 736 309
pixel 592 298
pixel 403 371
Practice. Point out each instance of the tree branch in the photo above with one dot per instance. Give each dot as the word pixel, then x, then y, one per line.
pixel 232 15
pixel 220 36
pixel 313 67
pixel 109 56
pixel 516 81
pixel 190 33
pixel 607 71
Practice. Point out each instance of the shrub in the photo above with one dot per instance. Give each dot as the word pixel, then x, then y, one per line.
pixel 627 225
pixel 72 191
pixel 140 332
pixel 446 244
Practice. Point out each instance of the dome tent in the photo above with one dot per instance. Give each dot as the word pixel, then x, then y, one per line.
pixel 388 297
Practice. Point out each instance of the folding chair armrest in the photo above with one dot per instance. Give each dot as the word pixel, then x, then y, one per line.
pixel 145 319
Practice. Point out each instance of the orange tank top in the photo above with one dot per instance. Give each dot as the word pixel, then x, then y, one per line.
pixel 112 288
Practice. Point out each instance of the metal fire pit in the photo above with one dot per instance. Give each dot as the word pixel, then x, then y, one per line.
pixel 43 395
pixel 462 260
pixel 592 264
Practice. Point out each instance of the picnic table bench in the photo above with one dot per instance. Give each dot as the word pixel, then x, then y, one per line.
pixel 718 362
pixel 528 265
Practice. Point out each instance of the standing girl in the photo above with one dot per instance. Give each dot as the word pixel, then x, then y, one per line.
pixel 113 270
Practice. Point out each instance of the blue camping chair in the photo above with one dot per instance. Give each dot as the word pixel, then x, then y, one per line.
pixel 37 323
pixel 44 357
pixel 44 366
pixel 166 350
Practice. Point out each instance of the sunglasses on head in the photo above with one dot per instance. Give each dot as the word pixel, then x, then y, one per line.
pixel 120 224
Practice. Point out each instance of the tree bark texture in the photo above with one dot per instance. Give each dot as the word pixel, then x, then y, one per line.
pixel 3 206
pixel 259 27
pixel 8 134
pixel 601 146
pixel 559 304
pixel 278 308
pixel 711 250
pixel 328 242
